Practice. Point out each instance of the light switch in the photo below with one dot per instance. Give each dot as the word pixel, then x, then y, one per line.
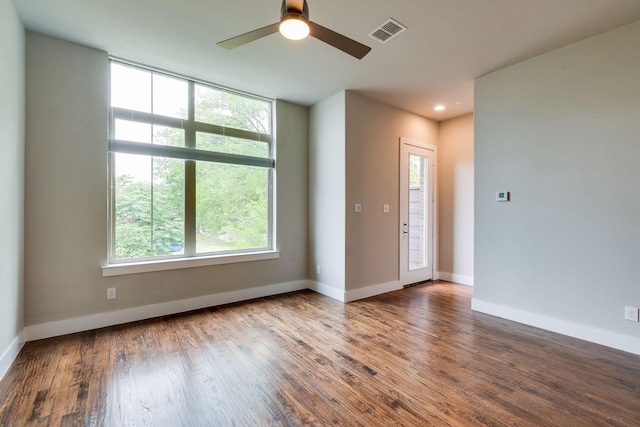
pixel 385 208
pixel 358 207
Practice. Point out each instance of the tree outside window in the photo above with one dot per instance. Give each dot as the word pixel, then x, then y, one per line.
pixel 190 168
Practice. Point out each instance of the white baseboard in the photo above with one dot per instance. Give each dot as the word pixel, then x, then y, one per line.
pixel 455 278
pixel 371 291
pixel 111 318
pixel 356 294
pixel 327 290
pixel 10 353
pixel 583 332
pixel 101 320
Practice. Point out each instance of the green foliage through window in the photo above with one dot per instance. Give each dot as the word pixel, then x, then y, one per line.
pixel 177 206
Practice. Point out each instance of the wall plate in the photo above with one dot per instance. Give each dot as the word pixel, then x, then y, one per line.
pixel 631 313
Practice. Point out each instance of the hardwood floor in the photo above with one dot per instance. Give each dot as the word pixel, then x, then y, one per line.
pixel 416 357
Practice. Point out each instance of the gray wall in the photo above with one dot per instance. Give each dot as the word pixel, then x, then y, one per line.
pixel 66 194
pixel 373 132
pixel 12 53
pixel 327 191
pixel 562 133
pixel 354 158
pixel 455 198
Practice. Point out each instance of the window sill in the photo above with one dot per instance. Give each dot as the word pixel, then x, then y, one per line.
pixel 175 264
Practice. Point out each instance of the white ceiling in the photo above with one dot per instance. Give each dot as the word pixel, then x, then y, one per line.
pixel 447 45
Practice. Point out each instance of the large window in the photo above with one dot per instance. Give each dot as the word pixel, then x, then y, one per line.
pixel 190 168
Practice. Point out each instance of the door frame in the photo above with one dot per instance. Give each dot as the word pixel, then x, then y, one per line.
pixel 434 217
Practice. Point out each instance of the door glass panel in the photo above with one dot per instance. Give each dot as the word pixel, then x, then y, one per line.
pixel 418 212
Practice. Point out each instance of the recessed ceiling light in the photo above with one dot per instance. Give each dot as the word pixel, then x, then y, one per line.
pixel 439 107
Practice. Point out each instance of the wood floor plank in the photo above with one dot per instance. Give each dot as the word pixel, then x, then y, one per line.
pixel 416 357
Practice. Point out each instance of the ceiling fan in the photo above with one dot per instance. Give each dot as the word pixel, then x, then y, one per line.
pixel 295 25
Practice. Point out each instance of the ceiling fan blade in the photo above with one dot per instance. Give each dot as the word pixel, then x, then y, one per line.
pixel 338 41
pixel 245 38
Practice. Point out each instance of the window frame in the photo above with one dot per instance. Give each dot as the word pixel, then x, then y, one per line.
pixel 190 154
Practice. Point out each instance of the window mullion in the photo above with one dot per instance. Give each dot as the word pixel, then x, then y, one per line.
pixel 233 168
pixel 153 210
pixel 190 179
pixel 112 195
pixel 144 149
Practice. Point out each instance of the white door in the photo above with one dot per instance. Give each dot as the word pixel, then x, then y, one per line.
pixel 417 165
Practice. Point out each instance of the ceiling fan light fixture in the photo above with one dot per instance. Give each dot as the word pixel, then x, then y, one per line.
pixel 294 27
pixel 294 24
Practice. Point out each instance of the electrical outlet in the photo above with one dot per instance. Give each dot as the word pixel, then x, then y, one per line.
pixel 358 208
pixel 318 269
pixel 111 293
pixel 631 313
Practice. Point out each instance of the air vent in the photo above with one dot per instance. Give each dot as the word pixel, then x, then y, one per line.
pixel 387 31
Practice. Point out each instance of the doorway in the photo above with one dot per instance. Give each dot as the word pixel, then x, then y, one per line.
pixel 417 213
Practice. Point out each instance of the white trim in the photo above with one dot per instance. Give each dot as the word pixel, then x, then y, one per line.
pixel 327 290
pixel 588 333
pixel 370 291
pixel 10 353
pixel 455 278
pixel 177 263
pixel 101 320
pixel 434 214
